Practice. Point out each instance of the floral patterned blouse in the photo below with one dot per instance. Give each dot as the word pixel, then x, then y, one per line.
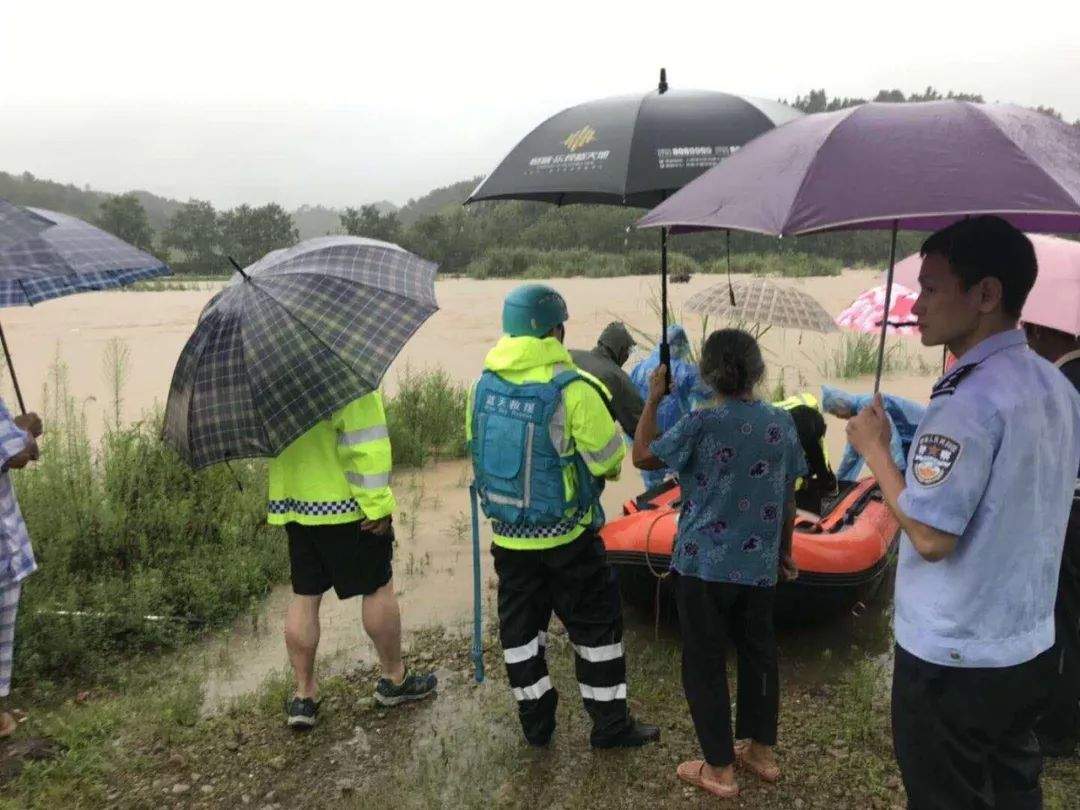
pixel 737 463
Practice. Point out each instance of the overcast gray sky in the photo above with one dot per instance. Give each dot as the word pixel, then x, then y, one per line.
pixel 343 103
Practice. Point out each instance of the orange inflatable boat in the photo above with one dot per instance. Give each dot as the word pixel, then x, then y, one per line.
pixel 842 555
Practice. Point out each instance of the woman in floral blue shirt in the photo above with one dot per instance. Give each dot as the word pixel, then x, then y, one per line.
pixel 737 463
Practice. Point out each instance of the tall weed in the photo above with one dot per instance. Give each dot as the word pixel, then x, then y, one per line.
pixel 856 354
pixel 426 418
pixel 125 531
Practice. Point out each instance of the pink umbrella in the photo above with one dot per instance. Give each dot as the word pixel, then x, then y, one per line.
pixel 867 312
pixel 1055 298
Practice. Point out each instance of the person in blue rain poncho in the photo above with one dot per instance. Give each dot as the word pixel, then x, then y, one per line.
pixel 687 390
pixel 903 414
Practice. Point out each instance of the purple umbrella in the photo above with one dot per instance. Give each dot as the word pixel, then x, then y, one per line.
pixel 890 166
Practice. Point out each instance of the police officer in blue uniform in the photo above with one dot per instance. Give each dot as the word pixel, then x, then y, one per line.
pixel 983 508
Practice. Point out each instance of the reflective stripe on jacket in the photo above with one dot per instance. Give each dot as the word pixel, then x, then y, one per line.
pixel 337 472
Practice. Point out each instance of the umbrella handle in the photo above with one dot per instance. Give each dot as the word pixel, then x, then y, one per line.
pixel 477 639
pixel 11 368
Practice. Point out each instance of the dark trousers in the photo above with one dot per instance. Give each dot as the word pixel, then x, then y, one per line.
pixel 577 584
pixel 964 737
pixel 1059 728
pixel 711 614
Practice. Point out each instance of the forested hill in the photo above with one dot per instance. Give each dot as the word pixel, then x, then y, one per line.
pixel 494 238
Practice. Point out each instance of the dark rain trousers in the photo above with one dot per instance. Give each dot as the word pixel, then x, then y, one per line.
pixel 1059 727
pixel 576 583
pixel 712 616
pixel 964 737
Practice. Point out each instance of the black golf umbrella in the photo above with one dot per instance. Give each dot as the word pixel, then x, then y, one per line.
pixel 632 150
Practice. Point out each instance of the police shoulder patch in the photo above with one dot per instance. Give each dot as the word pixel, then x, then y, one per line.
pixel 934 458
pixel 947 385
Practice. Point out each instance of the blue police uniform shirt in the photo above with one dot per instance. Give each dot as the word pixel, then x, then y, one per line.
pixel 737 463
pixel 993 462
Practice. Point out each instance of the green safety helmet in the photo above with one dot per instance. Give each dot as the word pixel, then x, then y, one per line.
pixel 533 310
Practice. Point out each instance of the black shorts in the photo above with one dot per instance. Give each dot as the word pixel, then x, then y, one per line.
pixel 351 560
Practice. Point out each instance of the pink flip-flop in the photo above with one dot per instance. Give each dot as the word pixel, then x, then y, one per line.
pixel 8 724
pixel 766 773
pixel 693 772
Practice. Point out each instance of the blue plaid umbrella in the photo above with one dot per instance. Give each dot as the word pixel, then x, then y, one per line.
pixel 289 340
pixel 69 256
pixel 46 255
pixel 17 224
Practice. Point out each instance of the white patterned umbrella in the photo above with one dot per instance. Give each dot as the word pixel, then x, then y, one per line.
pixel 758 300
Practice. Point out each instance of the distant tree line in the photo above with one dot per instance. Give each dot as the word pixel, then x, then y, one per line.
pixel 197 239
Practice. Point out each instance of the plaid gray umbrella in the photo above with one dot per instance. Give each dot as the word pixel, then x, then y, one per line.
pixel 758 300
pixel 45 255
pixel 295 336
pixel 69 256
pixel 17 224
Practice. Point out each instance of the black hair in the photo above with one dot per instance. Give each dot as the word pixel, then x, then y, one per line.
pixel 731 362
pixel 988 247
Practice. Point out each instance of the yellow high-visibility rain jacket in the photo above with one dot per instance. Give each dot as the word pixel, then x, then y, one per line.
pixel 588 428
pixel 337 472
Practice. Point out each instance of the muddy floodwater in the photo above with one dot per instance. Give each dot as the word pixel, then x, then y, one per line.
pixel 433 578
pixel 433 564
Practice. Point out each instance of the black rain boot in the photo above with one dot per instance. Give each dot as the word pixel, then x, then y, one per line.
pixel 633 735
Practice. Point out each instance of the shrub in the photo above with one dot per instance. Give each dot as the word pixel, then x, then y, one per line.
pixel 426 418
pixel 126 531
pixel 519 262
pixel 792 265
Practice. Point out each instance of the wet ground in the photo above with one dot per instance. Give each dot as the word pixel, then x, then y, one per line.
pixel 433 578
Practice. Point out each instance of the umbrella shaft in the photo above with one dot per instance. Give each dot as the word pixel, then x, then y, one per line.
pixel 665 348
pixel 11 368
pixel 888 303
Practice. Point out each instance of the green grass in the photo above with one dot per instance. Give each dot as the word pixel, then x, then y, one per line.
pixel 176 283
pixel 125 530
pixel 792 265
pixel 520 262
pixel 516 262
pixel 426 418
pixel 128 745
pixel 102 734
pixel 855 354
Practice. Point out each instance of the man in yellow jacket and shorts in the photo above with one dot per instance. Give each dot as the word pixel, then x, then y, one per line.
pixel 330 489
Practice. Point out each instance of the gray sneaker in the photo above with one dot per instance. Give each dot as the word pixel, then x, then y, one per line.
pixel 301 713
pixel 413 687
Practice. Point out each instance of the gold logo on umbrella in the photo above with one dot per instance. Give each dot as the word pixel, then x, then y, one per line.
pixel 576 140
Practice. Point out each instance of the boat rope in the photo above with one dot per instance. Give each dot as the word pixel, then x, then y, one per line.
pixel 94 614
pixel 660 577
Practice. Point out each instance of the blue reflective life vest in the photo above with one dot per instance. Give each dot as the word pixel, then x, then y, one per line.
pixel 516 459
